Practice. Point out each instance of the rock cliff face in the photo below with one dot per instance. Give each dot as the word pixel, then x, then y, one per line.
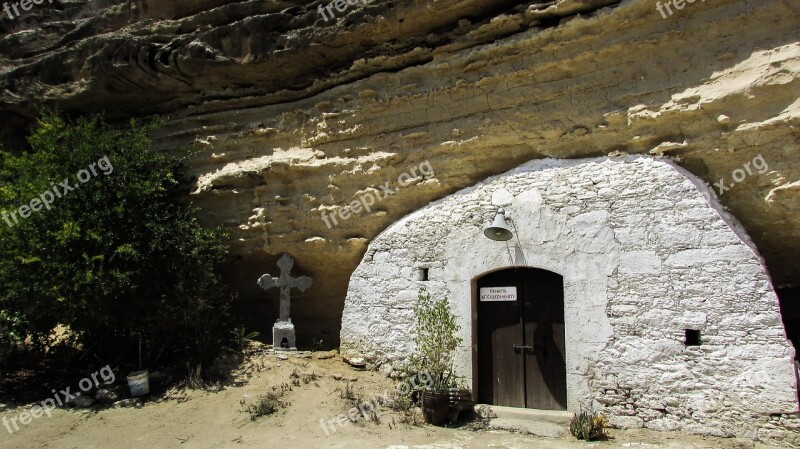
pixel 297 116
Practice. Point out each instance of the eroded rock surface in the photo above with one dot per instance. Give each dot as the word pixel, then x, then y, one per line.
pixel 297 116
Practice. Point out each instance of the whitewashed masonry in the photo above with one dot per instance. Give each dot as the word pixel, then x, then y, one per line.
pixel 645 253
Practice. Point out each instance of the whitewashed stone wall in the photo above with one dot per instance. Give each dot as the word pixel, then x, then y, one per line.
pixel 645 253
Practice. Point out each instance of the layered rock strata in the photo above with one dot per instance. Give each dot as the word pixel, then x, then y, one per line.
pixel 296 116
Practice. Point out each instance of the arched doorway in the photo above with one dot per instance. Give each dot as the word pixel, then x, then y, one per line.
pixel 520 339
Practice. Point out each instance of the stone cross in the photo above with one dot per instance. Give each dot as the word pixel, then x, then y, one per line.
pixel 285 282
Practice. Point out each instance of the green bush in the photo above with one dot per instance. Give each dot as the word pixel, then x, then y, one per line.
pixel 588 425
pixel 436 340
pixel 118 256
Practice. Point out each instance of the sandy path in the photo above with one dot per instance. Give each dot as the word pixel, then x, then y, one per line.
pixel 201 419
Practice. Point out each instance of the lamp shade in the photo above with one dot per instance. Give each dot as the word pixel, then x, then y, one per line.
pixel 499 231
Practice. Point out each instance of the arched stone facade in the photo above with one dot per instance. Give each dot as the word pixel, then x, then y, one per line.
pixel 645 253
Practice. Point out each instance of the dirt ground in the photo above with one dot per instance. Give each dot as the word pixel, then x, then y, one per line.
pixel 216 419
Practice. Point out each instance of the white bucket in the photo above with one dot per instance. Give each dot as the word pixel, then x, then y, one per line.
pixel 139 383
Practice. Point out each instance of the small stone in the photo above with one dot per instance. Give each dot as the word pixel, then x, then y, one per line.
pixel 326 355
pixel 485 412
pixel 81 401
pixel 724 119
pixel 741 443
pixel 337 377
pixel 282 356
pixel 131 402
pixel 106 396
pixel 356 362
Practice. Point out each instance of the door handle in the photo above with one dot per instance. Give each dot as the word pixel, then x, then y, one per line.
pixel 517 348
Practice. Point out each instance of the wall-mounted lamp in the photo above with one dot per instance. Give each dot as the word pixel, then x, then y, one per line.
pixel 499 231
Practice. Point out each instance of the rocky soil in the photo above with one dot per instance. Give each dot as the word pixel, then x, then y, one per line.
pixel 216 418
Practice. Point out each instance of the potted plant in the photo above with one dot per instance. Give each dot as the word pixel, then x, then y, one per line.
pixel 436 342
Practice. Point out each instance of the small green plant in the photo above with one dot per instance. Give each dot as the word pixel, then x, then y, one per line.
pixel 373 416
pixel 268 403
pixel 400 403
pixel 405 407
pixel 348 393
pixel 309 377
pixel 241 338
pixel 351 397
pixel 588 425
pixel 264 406
pixel 306 378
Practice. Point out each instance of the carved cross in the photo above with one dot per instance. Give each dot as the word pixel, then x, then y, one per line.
pixel 285 282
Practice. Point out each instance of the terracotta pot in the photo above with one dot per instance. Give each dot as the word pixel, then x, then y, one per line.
pixel 435 407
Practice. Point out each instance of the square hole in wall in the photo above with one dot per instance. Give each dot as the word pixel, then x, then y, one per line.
pixel 692 337
pixel 422 274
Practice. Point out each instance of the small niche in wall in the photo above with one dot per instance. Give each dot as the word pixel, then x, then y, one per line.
pixel 422 274
pixel 692 338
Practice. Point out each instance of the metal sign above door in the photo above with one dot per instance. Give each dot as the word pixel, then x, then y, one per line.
pixel 498 294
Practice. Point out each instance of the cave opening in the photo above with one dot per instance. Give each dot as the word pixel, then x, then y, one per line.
pixel 789 300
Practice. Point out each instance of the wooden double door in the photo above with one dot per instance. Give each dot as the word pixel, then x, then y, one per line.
pixel 521 357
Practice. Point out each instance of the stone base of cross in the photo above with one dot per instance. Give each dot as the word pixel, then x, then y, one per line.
pixel 283 335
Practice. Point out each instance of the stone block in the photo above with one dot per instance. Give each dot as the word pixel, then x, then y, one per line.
pixel 283 330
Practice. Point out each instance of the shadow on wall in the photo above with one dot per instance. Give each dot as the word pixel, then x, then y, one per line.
pixel 316 313
pixel 174 9
pixel 789 299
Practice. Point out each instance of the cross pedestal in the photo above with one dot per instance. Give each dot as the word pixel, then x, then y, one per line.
pixel 283 334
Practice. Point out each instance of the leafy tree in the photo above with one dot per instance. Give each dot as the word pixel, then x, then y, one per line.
pixel 120 255
pixel 436 340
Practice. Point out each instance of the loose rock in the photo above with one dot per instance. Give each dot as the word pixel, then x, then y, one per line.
pixel 356 362
pixel 326 355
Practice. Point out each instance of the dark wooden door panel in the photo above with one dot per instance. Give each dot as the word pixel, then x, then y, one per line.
pixel 544 332
pixel 509 371
pixel 499 330
pixel 534 374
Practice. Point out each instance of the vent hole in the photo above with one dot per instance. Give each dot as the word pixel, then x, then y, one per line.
pixel 692 337
pixel 422 274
